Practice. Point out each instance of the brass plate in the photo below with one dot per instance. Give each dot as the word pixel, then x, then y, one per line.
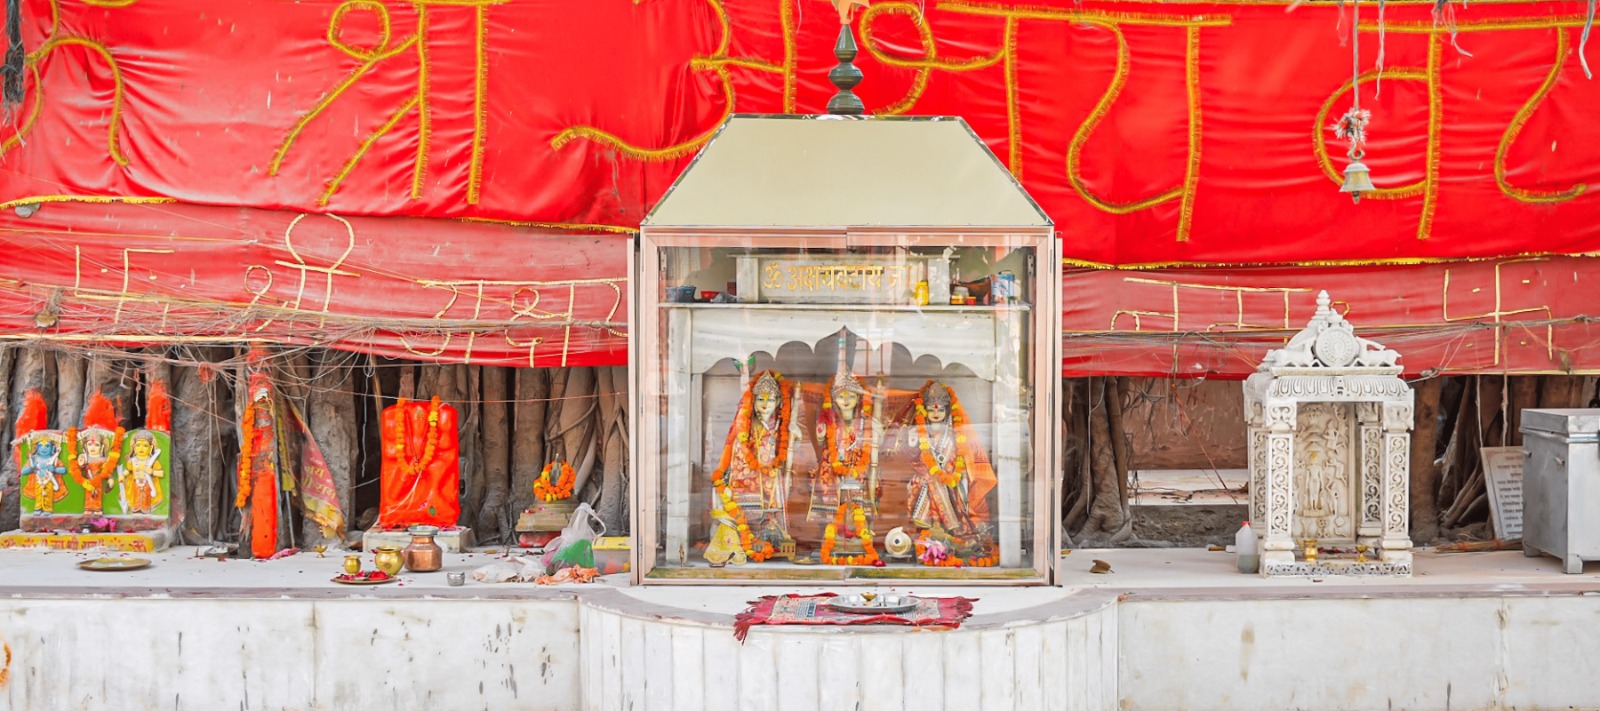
pixel 114 564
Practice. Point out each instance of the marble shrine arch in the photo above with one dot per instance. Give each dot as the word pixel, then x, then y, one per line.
pixel 1330 453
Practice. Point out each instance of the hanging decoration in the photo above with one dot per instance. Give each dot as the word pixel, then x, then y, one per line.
pixel 1353 125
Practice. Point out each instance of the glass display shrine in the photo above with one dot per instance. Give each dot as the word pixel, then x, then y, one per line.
pixel 845 361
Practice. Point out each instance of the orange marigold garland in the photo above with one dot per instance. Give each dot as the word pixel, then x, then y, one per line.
pixel 747 446
pixel 561 489
pixel 869 555
pixel 107 467
pixel 755 550
pixel 247 453
pixel 415 467
pixel 952 476
pixel 831 439
pixel 934 553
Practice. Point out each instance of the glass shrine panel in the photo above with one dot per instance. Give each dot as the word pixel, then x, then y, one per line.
pixel 851 413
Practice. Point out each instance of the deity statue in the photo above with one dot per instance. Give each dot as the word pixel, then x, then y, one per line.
pixel 951 478
pixel 43 470
pixel 140 474
pixel 757 458
pixel 99 452
pixel 845 487
pixel 421 467
pixel 848 435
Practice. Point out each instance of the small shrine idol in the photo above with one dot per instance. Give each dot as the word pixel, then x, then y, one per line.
pixel 142 477
pixel 43 473
pixel 845 484
pixel 951 476
pixel 752 478
pixel 421 466
pixel 99 451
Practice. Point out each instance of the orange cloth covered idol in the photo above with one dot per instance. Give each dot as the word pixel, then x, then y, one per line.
pixel 421 466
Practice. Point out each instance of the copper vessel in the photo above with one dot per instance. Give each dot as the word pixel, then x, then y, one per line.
pixel 387 559
pixel 423 555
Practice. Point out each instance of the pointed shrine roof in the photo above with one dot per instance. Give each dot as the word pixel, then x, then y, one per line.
pixel 846 171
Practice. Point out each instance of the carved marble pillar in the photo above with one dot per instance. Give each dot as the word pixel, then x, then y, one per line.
pixel 1258 467
pixel 1370 463
pixel 1396 544
pixel 1277 545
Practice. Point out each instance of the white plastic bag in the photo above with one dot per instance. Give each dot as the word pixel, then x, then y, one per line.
pixel 582 526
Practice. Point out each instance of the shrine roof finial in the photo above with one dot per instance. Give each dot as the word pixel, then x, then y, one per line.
pixel 1329 341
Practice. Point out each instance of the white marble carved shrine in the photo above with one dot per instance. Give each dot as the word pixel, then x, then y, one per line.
pixel 1330 454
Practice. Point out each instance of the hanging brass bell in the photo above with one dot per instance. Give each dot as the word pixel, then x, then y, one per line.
pixel 1357 179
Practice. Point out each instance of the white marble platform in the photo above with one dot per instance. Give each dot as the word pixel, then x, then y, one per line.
pixel 1168 629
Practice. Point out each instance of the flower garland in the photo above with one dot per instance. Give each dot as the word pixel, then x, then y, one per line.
pixel 755 550
pixel 934 553
pixel 561 489
pixel 869 554
pixel 415 467
pixel 831 438
pixel 108 466
pixel 748 450
pixel 247 455
pixel 953 476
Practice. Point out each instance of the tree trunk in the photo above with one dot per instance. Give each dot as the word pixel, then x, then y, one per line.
pixel 1074 459
pixel 1424 471
pixel 8 457
pixel 613 442
pixel 71 368
pixel 492 518
pixel 200 417
pixel 469 382
pixel 527 434
pixel 570 428
pixel 332 415
pixel 1524 394
pixel 108 375
pixel 1106 513
pixel 35 369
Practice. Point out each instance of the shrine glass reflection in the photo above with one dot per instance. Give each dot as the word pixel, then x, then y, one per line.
pixel 861 413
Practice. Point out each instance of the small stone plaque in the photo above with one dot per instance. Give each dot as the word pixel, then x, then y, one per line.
pixel 1503 467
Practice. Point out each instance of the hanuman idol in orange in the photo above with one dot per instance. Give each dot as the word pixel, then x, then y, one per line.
pixel 421 466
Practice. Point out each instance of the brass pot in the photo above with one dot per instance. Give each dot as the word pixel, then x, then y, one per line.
pixel 388 560
pixel 352 564
pixel 423 555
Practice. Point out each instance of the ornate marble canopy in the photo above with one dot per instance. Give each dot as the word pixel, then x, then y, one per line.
pixel 1330 451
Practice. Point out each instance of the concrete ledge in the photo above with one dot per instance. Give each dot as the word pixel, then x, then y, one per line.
pixel 1168 630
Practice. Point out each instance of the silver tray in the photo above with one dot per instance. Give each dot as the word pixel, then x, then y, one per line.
pixel 880 605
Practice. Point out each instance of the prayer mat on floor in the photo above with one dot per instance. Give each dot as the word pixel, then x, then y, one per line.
pixel 930 613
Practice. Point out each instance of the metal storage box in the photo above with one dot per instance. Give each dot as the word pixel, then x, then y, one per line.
pixel 1561 485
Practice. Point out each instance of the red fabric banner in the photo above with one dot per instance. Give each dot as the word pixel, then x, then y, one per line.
pixel 1515 315
pixel 1153 133
pixel 403 287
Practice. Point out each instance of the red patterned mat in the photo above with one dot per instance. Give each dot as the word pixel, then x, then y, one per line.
pixel 930 612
